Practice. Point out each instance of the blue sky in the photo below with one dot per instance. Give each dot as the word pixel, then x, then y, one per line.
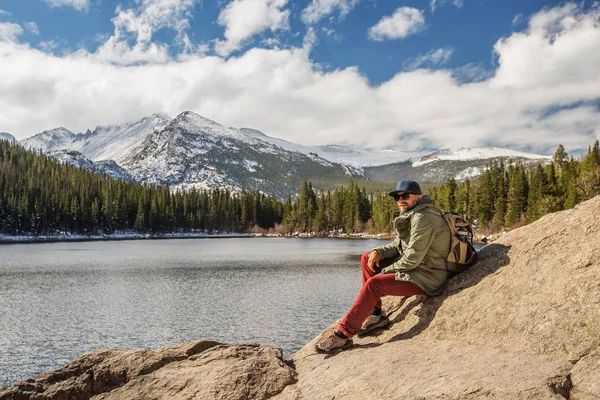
pixel 412 74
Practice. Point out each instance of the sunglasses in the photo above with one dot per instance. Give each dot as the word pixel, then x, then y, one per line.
pixel 403 196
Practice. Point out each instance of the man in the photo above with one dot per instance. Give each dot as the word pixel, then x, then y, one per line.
pixel 413 264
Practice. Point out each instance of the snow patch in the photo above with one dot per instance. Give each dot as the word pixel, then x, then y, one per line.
pixel 250 165
pixel 468 173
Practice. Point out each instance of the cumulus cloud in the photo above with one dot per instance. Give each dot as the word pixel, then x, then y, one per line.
pixel 319 9
pixel 542 93
pixel 80 5
pixel 433 4
pixel 138 26
pixel 243 19
pixel 404 22
pixel 432 58
pixel 9 31
pixel 4 12
pixel 559 48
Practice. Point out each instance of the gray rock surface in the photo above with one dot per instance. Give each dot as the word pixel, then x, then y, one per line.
pixel 521 324
pixel 196 370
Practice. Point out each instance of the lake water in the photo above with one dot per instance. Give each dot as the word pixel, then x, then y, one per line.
pixel 60 300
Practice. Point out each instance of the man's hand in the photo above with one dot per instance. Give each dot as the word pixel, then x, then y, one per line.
pixel 373 260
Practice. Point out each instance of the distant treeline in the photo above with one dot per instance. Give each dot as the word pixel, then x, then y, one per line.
pixel 504 198
pixel 40 196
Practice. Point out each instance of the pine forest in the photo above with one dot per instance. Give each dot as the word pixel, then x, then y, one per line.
pixel 40 196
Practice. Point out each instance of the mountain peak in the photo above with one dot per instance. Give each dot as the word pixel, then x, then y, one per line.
pixel 196 118
pixel 60 131
pixel 189 122
pixel 253 132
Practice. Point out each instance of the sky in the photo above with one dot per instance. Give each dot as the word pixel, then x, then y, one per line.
pixel 403 74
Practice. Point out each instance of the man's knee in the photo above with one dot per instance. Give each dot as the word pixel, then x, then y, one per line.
pixel 364 259
pixel 373 283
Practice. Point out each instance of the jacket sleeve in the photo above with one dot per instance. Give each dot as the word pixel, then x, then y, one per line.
pixel 389 250
pixel 422 233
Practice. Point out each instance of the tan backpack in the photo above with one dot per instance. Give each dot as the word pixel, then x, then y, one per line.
pixel 462 252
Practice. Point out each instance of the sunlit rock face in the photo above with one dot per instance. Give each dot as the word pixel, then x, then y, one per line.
pixel 521 324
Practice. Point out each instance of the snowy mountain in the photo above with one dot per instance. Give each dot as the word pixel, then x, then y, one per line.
pixel 8 137
pixel 480 153
pixel 75 158
pixel 462 164
pixel 341 154
pixel 192 151
pixel 104 143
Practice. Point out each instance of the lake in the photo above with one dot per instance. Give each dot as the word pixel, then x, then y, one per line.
pixel 59 300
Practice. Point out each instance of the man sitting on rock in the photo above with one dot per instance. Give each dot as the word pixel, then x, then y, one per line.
pixel 413 264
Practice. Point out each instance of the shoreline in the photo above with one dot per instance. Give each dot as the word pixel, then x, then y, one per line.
pixel 5 239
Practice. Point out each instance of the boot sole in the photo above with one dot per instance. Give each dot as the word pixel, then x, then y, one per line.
pixel 380 325
pixel 347 345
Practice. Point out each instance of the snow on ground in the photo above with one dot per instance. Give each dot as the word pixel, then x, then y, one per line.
pixel 468 173
pixel 116 236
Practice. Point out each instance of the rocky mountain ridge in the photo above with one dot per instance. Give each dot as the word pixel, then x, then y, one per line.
pixel 521 324
pixel 189 151
pixel 193 151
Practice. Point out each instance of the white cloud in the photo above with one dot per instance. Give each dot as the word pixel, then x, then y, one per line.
pixel 552 65
pixel 319 9
pixel 404 22
pixel 49 45
pixel 243 19
pixel 550 52
pixel 433 4
pixel 310 39
pixel 4 12
pixel 270 42
pixel 9 31
pixel 472 73
pixel 80 5
pixel 139 25
pixel 32 27
pixel 431 58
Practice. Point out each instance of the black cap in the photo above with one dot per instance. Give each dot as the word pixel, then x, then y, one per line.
pixel 408 187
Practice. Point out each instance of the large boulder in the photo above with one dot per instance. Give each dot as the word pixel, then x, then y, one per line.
pixel 201 370
pixel 523 323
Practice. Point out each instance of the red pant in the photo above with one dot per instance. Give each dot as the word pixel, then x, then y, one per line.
pixel 374 287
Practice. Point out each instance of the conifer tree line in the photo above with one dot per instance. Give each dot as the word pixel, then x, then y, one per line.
pixel 508 197
pixel 40 196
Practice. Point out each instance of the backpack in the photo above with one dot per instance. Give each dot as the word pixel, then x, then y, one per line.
pixel 462 252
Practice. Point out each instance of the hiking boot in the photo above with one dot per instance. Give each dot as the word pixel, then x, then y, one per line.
pixel 371 323
pixel 332 344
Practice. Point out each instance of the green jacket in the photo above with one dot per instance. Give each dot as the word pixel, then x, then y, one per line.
pixel 423 243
